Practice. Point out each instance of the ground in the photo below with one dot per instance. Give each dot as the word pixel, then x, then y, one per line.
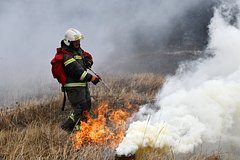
pixel 32 130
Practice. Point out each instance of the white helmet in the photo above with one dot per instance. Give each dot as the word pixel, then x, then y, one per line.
pixel 72 35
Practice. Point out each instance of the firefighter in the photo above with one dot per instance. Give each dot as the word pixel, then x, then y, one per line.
pixel 75 66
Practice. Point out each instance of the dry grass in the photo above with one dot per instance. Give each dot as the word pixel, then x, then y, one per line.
pixel 31 130
pixel 136 88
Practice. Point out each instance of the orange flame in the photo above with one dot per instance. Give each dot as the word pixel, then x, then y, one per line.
pixel 106 129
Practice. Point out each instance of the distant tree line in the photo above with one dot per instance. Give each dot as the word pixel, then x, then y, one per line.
pixel 191 31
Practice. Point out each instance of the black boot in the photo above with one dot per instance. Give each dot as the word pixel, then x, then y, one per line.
pixel 68 125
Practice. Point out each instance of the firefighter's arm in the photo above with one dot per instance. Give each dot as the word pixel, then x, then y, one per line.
pixel 75 70
pixel 88 60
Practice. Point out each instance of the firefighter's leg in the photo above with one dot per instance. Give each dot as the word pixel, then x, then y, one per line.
pixel 69 124
pixel 78 102
pixel 84 104
pixel 73 97
pixel 88 99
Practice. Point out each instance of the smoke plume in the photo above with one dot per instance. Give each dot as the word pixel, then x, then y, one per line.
pixel 198 106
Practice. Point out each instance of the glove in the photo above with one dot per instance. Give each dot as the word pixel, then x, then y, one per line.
pixel 88 63
pixel 95 80
pixel 87 58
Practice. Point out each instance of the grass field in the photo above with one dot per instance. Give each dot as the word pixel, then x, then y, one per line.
pixel 32 130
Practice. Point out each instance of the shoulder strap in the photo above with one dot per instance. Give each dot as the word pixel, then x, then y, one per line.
pixel 63 51
pixel 66 52
pixel 64 100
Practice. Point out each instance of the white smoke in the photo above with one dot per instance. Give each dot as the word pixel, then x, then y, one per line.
pixel 196 107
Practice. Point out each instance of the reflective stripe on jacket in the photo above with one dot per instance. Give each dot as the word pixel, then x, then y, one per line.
pixel 75 69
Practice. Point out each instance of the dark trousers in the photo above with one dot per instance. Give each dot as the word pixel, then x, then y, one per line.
pixel 80 100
